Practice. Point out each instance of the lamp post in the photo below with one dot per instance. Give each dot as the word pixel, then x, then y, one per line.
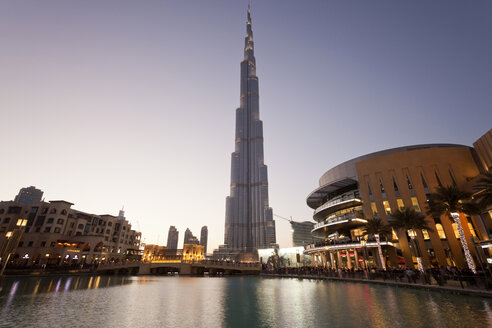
pixel 413 234
pixel 13 238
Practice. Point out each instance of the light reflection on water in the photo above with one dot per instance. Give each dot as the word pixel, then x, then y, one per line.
pixel 114 301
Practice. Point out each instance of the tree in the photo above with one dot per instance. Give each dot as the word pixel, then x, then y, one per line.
pixel 377 228
pixel 408 220
pixel 451 201
pixel 484 189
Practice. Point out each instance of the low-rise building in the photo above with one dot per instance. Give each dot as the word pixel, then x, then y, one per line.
pixel 57 234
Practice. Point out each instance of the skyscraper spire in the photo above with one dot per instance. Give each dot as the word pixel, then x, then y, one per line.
pixel 248 40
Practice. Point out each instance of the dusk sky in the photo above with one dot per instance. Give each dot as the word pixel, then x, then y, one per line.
pixel 111 103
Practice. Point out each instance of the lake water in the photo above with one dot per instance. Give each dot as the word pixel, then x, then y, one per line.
pixel 156 301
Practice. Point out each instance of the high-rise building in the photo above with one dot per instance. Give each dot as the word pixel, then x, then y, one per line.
pixel 172 238
pixel 204 238
pixel 189 238
pixel 301 233
pixel 29 195
pixel 249 223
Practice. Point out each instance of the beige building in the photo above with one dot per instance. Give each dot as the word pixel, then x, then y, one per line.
pixel 383 182
pixel 57 234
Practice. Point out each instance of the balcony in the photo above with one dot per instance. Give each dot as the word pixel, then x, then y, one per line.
pixel 344 201
pixel 334 222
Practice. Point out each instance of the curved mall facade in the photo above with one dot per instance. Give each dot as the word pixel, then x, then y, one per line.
pixel 380 183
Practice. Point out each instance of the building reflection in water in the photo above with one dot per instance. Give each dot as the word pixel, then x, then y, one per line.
pixel 229 302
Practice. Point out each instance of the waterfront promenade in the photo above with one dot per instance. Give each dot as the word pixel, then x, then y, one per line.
pixel 476 285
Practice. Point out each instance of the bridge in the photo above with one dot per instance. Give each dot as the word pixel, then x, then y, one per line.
pixel 181 267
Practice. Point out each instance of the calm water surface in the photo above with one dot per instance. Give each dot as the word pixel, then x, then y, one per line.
pixel 229 302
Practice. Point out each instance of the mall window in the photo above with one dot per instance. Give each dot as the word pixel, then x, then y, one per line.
pixel 426 234
pixel 80 226
pixel 374 209
pixel 43 244
pixel 437 179
pixel 53 211
pixel 440 231
pixel 395 186
pixel 21 243
pixel 424 183
pixel 473 231
pixel 72 224
pixel 409 183
pixel 50 220
pixel 394 235
pixel 401 206
pixel 455 229
pixel 52 244
pixel 415 204
pixel 60 221
pixel 57 230
pixel 387 207
pixel 29 244
pixel 452 177
pixel 47 229
pixel 381 186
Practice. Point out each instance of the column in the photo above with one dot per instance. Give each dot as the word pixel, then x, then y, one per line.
pixel 356 257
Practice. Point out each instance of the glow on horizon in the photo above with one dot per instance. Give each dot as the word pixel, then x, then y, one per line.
pixel 114 103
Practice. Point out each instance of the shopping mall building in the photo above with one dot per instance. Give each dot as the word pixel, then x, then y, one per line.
pixel 380 183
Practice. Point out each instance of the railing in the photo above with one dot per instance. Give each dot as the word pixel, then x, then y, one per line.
pixel 431 277
pixel 338 218
pixel 344 198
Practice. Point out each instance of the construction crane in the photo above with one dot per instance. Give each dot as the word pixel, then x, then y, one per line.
pixel 281 217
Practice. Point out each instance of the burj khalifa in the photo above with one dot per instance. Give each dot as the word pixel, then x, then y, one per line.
pixel 249 223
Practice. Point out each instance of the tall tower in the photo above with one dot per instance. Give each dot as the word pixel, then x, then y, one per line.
pixel 172 238
pixel 249 224
pixel 204 239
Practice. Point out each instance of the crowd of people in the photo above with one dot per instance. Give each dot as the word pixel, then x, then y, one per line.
pixel 439 276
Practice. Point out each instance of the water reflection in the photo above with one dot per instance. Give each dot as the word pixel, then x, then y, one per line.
pixel 114 301
pixel 35 285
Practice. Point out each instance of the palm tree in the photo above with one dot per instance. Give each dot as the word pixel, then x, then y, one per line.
pixel 450 201
pixel 408 220
pixel 377 228
pixel 484 189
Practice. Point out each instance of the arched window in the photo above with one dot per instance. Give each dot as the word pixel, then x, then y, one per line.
pixel 440 231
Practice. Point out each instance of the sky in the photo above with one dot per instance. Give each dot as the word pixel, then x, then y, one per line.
pixel 131 103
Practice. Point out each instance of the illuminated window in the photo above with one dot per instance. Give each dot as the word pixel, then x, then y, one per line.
pixel 455 229
pixel 387 207
pixel 472 230
pixel 401 206
pixel 426 234
pixel 471 226
pixel 415 204
pixel 440 231
pixel 374 209
pixel 393 234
